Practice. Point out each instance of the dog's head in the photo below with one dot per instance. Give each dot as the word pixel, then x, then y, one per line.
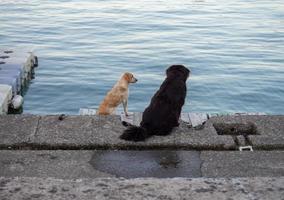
pixel 178 70
pixel 129 77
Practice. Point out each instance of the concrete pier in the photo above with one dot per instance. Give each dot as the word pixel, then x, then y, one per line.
pixel 102 132
pixel 55 157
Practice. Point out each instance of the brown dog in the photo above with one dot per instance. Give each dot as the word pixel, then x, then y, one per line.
pixel 117 95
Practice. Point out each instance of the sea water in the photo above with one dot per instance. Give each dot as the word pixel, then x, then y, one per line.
pixel 235 50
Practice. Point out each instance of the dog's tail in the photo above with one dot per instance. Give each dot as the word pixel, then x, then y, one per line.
pixel 135 133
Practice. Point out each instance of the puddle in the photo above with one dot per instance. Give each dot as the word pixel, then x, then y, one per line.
pixel 160 164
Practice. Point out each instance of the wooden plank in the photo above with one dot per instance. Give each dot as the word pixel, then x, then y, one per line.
pixel 212 115
pixel 251 113
pixel 185 118
pixel 87 111
pixel 137 118
pixel 197 119
pixel 124 118
pixel 236 114
pixel 192 119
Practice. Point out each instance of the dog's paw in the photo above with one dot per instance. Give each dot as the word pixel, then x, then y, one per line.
pixel 61 117
pixel 124 123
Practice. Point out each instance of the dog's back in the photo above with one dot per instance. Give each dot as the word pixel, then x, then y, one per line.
pixel 110 102
pixel 117 95
pixel 163 113
pixel 164 110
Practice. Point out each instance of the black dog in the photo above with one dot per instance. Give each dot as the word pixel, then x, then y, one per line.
pixel 163 113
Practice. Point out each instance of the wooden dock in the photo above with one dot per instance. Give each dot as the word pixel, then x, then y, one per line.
pixel 16 70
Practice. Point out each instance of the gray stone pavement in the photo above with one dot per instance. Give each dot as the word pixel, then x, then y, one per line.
pixel 102 132
pixel 81 157
pixel 17 129
pixel 269 129
pixel 98 132
pixel 133 164
pixel 150 188
pixel 242 164
pixel 59 164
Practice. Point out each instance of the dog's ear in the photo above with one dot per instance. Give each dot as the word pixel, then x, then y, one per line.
pixel 187 72
pixel 128 76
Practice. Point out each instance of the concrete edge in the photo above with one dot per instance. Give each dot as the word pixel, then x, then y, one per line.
pixel 48 132
pixel 142 188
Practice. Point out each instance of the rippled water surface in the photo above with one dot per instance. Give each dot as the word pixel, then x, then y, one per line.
pixel 235 50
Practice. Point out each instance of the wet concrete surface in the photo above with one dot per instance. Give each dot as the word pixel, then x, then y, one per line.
pixel 158 163
pixel 70 164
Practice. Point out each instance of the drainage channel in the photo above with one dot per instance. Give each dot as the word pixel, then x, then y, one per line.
pixel 239 132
